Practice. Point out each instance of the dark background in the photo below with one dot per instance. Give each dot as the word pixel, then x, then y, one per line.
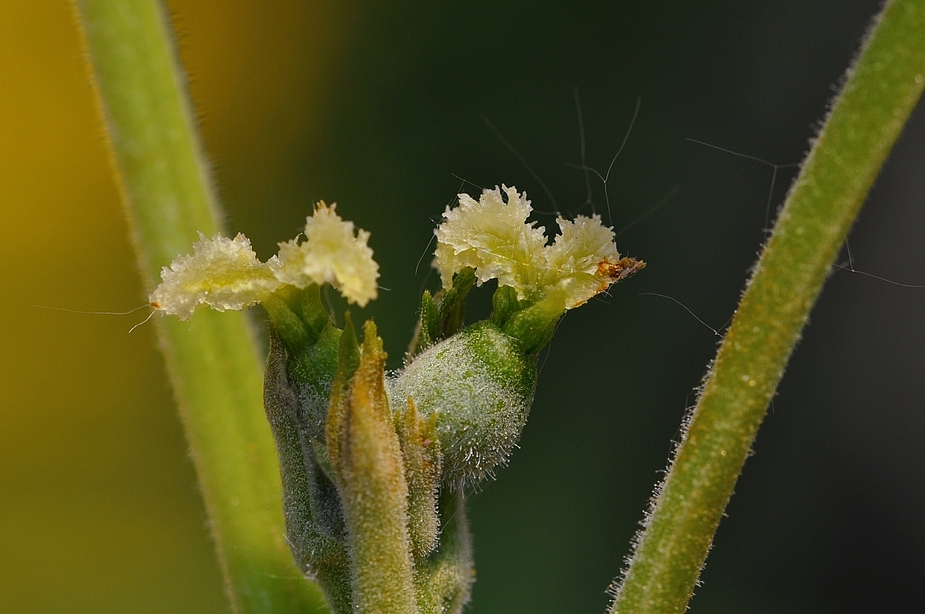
pixel 380 107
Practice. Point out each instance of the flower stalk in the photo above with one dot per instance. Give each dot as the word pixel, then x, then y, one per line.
pixel 881 90
pixel 213 364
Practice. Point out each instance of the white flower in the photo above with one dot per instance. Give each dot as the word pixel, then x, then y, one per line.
pixel 331 254
pixel 226 274
pixel 494 238
pixel 584 258
pixel 222 273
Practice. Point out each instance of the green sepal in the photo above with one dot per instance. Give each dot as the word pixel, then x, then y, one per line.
pixel 288 324
pixel 298 315
pixel 312 371
pixel 348 355
pixel 430 320
pixel 311 341
pixel 420 448
pixel 306 330
pixel 504 304
pixel 453 303
pixel 366 462
pixel 312 310
pixel 427 330
pixel 442 315
pixel 444 580
pixel 535 325
pixel 315 528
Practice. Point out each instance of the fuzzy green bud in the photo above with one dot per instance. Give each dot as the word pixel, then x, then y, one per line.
pixel 479 384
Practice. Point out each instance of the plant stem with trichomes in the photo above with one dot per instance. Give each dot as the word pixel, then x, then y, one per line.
pixel 881 90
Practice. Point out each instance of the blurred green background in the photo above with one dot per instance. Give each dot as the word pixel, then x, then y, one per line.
pixel 379 106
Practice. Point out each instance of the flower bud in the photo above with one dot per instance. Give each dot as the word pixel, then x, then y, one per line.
pixel 367 465
pixel 479 384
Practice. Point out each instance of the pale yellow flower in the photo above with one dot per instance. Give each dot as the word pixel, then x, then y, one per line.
pixel 331 254
pixel 226 273
pixel 496 239
pixel 221 273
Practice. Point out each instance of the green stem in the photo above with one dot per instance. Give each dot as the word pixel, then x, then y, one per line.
pixel 881 91
pixel 212 361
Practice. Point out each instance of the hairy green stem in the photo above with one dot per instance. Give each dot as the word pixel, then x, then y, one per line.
pixel 212 361
pixel 881 90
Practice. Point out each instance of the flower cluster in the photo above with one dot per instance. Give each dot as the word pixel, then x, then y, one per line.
pixel 226 273
pixel 375 466
pixel 492 236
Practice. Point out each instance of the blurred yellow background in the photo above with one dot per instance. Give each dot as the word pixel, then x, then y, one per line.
pixel 98 504
pixel 378 106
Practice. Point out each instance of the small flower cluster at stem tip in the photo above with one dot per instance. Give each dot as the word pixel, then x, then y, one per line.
pixel 492 236
pixel 374 465
pixel 226 274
